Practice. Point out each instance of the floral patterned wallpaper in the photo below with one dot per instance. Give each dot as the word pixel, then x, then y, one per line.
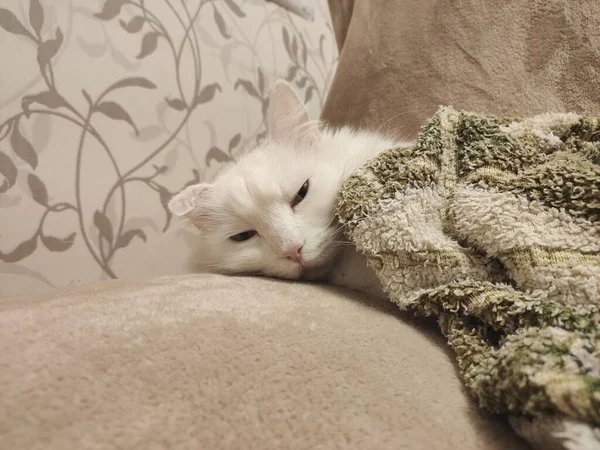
pixel 109 107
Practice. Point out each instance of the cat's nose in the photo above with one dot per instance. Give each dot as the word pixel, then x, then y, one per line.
pixel 294 253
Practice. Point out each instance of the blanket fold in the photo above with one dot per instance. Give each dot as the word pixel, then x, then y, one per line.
pixel 492 225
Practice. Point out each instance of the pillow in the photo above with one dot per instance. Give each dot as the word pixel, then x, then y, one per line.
pixel 401 59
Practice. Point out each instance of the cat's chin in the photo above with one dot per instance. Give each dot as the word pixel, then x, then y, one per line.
pixel 304 273
pixel 320 270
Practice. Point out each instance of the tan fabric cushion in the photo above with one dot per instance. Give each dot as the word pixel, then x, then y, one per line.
pixel 213 362
pixel 399 60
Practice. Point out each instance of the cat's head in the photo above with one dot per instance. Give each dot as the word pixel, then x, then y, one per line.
pixel 271 212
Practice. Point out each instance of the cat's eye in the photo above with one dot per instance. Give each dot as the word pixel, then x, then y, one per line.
pixel 240 237
pixel 301 194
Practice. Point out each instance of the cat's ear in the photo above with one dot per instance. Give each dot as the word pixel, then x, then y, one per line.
pixel 288 117
pixel 192 200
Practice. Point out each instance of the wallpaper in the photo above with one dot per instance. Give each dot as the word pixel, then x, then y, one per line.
pixel 109 107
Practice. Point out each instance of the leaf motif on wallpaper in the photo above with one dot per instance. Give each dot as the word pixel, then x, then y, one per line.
pixel 116 112
pixel 212 133
pixel 175 103
pixel 194 180
pixel 85 11
pixel 207 93
pixel 216 154
pixel 87 97
pixel 110 10
pixel 93 50
pixel 248 87
pixel 165 197
pixel 304 51
pixel 160 170
pixel 55 244
pixel 161 110
pixel 50 99
pixel 302 82
pixel 134 25
pixel 41 132
pixel 150 133
pixel 261 81
pixel 17 269
pixel 50 12
pixel 265 107
pixel 5 129
pixel 10 23
pixel 171 158
pixel 309 94
pixel 286 39
pixel 221 24
pixel 22 147
pixel 292 71
pixel 133 82
pixel 110 211
pixel 63 207
pixel 234 142
pixel 36 16
pixel 225 53
pixel 149 44
pixel 122 60
pixel 48 49
pixel 38 189
pixel 9 171
pixel 235 8
pixel 125 239
pixel 142 222
pixel 8 201
pixel 21 251
pixel 294 54
pixel 103 226
pixel 207 35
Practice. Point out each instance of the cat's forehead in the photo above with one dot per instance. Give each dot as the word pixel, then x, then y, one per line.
pixel 267 164
pixel 252 173
pixel 267 175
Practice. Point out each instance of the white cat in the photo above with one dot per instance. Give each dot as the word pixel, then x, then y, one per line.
pixel 272 212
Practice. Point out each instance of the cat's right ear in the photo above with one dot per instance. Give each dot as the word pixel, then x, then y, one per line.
pixel 287 117
pixel 192 201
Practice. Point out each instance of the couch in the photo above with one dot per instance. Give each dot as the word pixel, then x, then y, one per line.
pixel 208 361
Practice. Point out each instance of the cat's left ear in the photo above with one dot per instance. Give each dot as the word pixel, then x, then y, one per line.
pixel 288 118
pixel 193 200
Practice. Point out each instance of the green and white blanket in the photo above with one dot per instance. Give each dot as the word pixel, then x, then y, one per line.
pixel 492 225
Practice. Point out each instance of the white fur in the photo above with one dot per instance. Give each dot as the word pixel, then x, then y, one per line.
pixel 256 193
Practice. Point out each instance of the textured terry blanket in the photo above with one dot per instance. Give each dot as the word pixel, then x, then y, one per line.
pixel 492 225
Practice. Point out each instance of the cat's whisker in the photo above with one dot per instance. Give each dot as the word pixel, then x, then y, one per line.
pixel 342 244
pixel 338 232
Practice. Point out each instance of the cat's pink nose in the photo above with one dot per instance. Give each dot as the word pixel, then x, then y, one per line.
pixel 294 253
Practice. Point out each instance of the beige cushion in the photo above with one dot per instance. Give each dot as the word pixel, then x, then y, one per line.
pixel 400 59
pixel 209 362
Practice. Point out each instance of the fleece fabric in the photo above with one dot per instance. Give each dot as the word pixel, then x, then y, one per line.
pixel 492 225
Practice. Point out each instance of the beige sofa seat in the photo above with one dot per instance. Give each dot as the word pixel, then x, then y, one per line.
pixel 210 362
